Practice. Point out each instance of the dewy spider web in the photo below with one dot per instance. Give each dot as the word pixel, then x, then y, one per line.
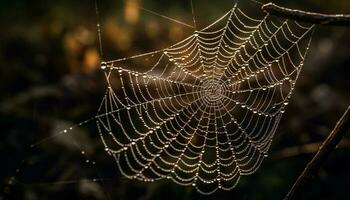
pixel 205 110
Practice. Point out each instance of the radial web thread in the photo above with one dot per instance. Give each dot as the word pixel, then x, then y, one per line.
pixel 203 112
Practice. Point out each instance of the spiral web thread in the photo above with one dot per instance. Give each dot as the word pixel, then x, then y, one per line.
pixel 203 112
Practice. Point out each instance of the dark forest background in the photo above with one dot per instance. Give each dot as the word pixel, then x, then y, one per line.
pixel 50 79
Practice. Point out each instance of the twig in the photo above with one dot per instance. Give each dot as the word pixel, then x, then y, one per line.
pixel 305 149
pixel 326 148
pixel 306 17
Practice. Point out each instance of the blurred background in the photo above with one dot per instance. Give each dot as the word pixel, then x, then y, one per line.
pixel 50 78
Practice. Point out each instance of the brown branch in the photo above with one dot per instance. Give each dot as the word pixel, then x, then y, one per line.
pixel 306 17
pixel 305 149
pixel 325 150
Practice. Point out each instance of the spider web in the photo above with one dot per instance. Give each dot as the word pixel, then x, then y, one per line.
pixel 204 111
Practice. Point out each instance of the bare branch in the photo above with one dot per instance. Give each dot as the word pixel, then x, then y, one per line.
pixel 325 150
pixel 306 17
pixel 305 149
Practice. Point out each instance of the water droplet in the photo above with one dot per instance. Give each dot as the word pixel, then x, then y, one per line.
pixel 103 65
